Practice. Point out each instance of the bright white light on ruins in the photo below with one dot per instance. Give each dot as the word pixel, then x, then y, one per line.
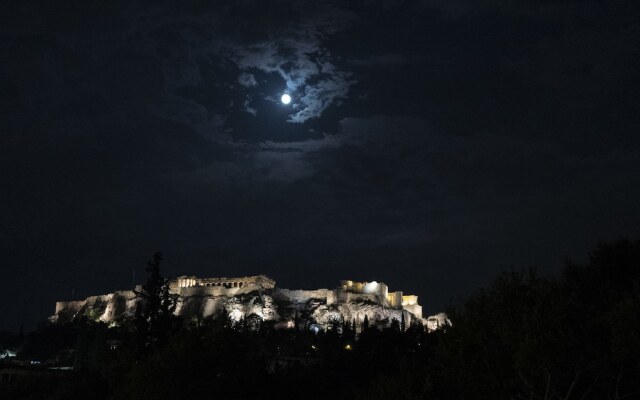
pixel 285 99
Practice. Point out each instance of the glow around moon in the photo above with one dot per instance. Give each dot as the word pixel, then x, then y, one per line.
pixel 285 99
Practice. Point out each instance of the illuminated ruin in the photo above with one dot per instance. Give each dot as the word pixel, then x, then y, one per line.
pixel 258 296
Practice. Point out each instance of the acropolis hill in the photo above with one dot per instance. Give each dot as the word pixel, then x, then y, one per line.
pixel 258 297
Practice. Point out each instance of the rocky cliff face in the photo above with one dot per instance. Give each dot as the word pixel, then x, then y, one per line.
pixel 309 307
pixel 312 308
pixel 110 307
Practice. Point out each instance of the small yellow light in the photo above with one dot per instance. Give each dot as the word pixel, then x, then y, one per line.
pixel 347 347
pixel 313 346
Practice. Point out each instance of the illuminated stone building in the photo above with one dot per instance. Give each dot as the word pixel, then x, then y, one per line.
pixel 379 293
pixel 258 295
pixel 188 285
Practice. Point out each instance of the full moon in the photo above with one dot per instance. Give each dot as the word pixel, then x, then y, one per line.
pixel 285 99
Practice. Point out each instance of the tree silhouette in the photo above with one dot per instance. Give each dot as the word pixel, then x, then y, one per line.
pixel 158 304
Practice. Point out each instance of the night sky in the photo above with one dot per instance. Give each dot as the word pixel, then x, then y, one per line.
pixel 429 144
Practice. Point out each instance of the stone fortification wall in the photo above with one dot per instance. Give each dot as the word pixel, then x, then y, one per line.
pixel 302 296
pixel 256 296
pixel 415 309
pixel 74 305
pixel 378 292
pixel 395 299
pixel 347 297
pixel 378 288
pixel 438 321
pixel 105 308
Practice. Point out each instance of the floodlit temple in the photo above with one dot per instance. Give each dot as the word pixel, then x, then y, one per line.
pixel 186 284
pixel 258 296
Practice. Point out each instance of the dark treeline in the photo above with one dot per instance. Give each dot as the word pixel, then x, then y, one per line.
pixel 573 336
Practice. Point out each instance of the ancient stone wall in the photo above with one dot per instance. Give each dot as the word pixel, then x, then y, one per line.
pixel 302 296
pixel 414 309
pixel 105 308
pixel 438 321
pixel 257 295
pixel 378 288
pixel 395 299
pixel 74 305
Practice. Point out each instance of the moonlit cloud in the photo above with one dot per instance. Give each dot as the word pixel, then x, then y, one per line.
pixel 247 107
pixel 296 60
pixel 318 97
pixel 247 80
pixel 304 64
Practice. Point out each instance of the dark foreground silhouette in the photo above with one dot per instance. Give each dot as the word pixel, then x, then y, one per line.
pixel 574 336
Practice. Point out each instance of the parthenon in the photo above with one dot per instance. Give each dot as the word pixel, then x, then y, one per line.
pixel 254 282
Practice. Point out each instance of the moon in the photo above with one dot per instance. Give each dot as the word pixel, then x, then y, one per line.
pixel 285 99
